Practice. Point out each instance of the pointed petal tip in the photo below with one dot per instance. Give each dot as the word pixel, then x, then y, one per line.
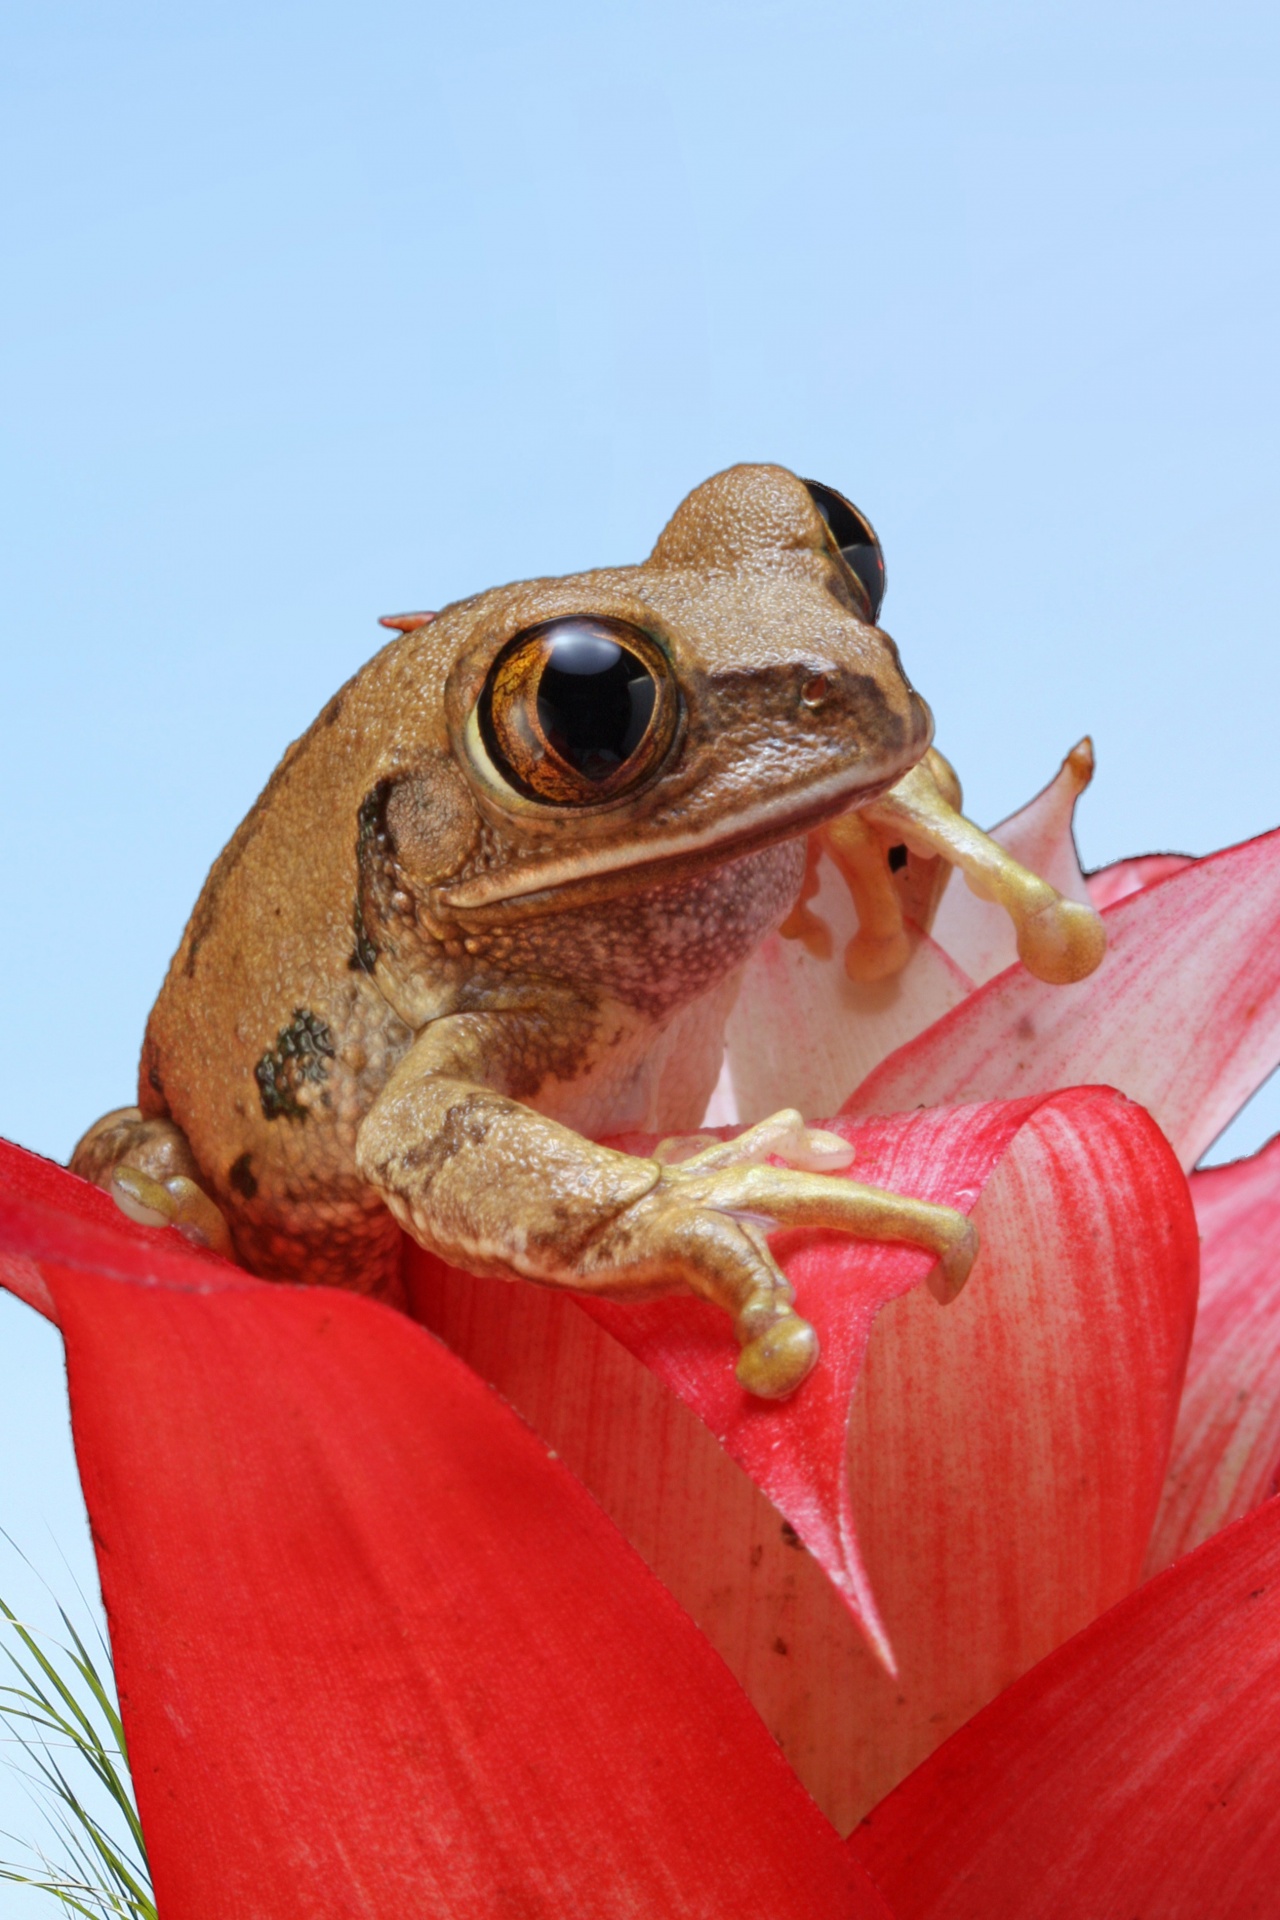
pixel 405 622
pixel 1081 763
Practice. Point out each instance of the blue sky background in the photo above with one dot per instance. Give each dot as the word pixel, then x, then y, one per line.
pixel 314 312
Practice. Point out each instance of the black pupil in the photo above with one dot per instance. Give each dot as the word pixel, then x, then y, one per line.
pixel 853 537
pixel 594 701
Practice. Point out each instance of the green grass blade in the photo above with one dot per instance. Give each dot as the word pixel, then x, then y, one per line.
pixel 59 1706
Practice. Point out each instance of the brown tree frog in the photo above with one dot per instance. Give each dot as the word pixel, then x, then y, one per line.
pixel 491 908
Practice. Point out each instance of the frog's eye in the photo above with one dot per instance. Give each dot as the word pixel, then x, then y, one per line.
pixel 578 711
pixel 856 538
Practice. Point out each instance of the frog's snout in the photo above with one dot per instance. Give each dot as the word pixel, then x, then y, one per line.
pixel 877 720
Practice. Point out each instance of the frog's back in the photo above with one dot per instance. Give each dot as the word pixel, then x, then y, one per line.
pixel 269 1039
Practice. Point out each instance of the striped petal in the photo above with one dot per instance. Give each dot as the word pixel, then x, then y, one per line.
pixel 1183 1015
pixel 1226 1451
pixel 1136 1772
pixel 977 935
pixel 378 1654
pixel 1124 877
pixel 801 1033
pixel 963 1512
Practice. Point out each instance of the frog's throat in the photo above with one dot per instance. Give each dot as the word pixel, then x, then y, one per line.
pixel 555 881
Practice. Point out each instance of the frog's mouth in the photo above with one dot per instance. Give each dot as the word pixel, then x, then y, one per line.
pixel 558 880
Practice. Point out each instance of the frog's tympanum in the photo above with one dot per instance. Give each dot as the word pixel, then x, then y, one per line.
pixel 492 907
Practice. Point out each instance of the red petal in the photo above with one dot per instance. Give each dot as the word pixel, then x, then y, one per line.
pixel 976 933
pixel 46 1212
pixel 1183 1014
pixel 801 1033
pixel 1124 877
pixel 991 1523
pixel 377 1654
pixel 1226 1451
pixel 1136 1772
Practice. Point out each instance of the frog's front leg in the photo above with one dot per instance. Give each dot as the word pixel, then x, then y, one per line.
pixel 496 1187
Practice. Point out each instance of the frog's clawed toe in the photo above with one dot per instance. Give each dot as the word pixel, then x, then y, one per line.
pixel 176 1202
pixel 956 1255
pixel 1059 940
pixel 774 1362
pixel 718 1210
pixel 783 1136
pixel 145 1163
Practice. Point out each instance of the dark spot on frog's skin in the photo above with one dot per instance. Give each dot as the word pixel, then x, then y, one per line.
pixel 364 955
pixel 897 858
pixel 332 711
pixel 465 1125
pixel 780 1645
pixel 878 724
pixel 375 853
pixel 371 819
pixel 154 1081
pixel 302 1052
pixel 1025 1028
pixel 242 1178
pixel 790 1538
pixel 757 1554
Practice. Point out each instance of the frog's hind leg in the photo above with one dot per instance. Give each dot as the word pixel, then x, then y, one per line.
pixel 144 1163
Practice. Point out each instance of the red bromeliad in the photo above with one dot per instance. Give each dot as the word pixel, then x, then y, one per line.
pixel 379 1651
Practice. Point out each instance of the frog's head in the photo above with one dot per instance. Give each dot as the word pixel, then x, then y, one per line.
pixel 731 691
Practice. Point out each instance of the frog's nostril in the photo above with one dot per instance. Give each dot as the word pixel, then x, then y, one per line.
pixel 814 692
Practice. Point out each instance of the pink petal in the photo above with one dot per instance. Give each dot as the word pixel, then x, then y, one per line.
pixel 377 1654
pixel 1226 1451
pixel 1118 881
pixel 978 936
pixel 1183 1014
pixel 1134 1773
pixel 990 1523
pixel 801 1033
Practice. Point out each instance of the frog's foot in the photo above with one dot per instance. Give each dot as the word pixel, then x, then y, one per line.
pixel 495 1186
pixel 146 1166
pixel 802 923
pixel 1059 941
pixel 783 1136
pixel 708 1223
pixel 176 1202
pixel 881 946
pixel 918 820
